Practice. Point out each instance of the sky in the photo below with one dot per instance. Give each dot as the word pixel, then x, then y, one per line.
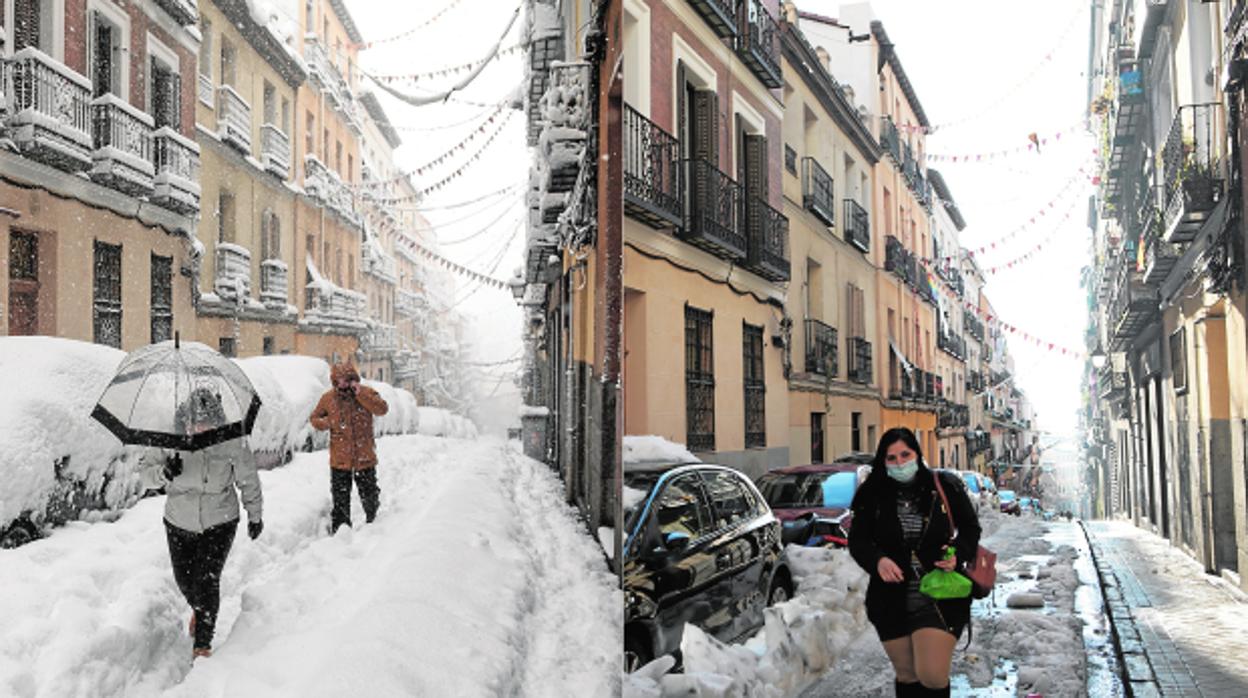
pixel 488 236
pixel 988 74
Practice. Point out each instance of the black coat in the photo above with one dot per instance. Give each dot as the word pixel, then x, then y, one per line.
pixel 876 532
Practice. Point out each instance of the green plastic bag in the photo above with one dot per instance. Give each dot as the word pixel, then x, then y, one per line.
pixel 945 584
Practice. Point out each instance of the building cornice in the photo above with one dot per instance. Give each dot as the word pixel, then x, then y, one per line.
pixel 270 48
pixel 888 54
pixel 826 89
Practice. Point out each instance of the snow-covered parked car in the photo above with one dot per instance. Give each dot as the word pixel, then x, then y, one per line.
pixel 436 421
pixel 57 463
pixel 289 387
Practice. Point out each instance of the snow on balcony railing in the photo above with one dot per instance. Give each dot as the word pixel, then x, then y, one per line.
pixel 51 111
pixel 184 12
pixel 380 338
pixel 324 184
pixel 123 146
pixel 232 280
pixel 235 119
pixel 275 150
pixel 328 304
pixel 205 90
pixel 177 171
pixel 378 263
pixel 325 74
pixel 274 283
pixel 407 303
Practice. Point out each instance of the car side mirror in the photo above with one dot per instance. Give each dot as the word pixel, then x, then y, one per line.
pixel 675 541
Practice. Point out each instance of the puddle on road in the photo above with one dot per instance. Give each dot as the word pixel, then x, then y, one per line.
pixel 1010 581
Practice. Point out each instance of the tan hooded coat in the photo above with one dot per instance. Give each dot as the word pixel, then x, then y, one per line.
pixel 349 419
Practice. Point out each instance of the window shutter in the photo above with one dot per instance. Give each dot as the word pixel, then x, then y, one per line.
pixel 26 24
pixel 756 166
pixel 705 141
pixel 157 98
pixel 264 235
pixel 104 60
pixel 175 101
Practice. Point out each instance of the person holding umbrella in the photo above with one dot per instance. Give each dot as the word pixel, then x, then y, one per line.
pixel 347 411
pixel 199 407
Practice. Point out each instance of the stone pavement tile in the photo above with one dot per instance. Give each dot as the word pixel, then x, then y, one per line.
pixel 1138 668
pixel 1146 689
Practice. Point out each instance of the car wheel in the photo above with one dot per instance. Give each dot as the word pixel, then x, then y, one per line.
pixel 20 533
pixel 637 652
pixel 779 593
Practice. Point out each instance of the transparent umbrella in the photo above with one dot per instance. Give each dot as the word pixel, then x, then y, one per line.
pixel 178 395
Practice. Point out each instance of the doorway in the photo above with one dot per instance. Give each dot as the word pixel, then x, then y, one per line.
pixel 23 284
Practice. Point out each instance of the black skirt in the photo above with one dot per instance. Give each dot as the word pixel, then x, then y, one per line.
pixel 921 612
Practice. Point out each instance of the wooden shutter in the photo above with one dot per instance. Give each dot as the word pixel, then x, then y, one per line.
pixel 264 235
pixel 704 141
pixel 26 24
pixel 174 101
pixel 755 166
pixel 682 116
pixel 160 97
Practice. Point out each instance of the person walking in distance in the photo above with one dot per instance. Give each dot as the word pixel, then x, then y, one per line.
pixel 900 533
pixel 347 411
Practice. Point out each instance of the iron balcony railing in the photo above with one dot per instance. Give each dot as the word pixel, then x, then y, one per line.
pixel 896 258
pixel 952 416
pixel 1191 164
pixel 818 195
pixel 767 233
pixel 820 348
pixel 652 182
pixel 1133 307
pixel 177 171
pixel 50 113
pixel 857 226
pixel 758 42
pixel 977 442
pixel 274 283
pixel 721 15
pixel 713 217
pixel 890 140
pixel 123 146
pixel 1111 384
pixel 232 275
pixel 275 150
pixel 972 325
pixel 858 354
pixel 234 120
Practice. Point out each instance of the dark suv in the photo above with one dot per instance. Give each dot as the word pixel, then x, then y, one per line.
pixel 701 547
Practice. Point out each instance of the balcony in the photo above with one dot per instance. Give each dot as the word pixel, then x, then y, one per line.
pixel 380 339
pixel 275 150
pixel 890 139
pixel 328 304
pixel 324 74
pixel 714 211
pixel 206 91
pixel 857 226
pixel 1111 384
pixel 898 260
pixel 122 159
pixel 177 172
pixel 767 235
pixel 820 349
pixel 184 12
pixel 953 416
pixel 1133 307
pixel 274 283
pixel 234 120
pixel 972 325
pixel 1159 256
pixel 758 42
pixel 232 277
pixel 407 303
pixel 327 188
pixel 858 354
pixel 652 184
pixel 50 115
pixel 721 15
pixel 818 196
pixel 1192 166
pixel 951 344
pixel 977 442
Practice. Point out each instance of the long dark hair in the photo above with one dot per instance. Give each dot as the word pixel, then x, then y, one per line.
pixel 890 437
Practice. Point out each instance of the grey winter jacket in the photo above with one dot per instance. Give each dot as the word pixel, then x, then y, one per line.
pixel 202 495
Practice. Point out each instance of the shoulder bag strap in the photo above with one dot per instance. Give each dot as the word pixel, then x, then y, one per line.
pixel 948 512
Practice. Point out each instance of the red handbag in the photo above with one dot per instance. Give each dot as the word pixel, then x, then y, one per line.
pixel 982 571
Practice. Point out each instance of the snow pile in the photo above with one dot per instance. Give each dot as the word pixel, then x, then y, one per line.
pixel 51 387
pixel 289 388
pixel 801 638
pixel 436 421
pixel 655 449
pixel 93 610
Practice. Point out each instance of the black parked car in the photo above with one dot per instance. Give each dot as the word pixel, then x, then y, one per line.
pixel 702 547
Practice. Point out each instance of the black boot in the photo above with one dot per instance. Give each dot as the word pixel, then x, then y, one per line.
pixel 907 690
pixel 922 690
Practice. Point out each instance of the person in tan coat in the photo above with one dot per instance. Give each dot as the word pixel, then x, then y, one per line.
pixel 347 411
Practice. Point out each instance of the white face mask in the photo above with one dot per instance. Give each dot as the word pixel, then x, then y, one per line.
pixel 904 472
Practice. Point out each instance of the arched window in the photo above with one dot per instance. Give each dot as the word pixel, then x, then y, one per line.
pixel 270 235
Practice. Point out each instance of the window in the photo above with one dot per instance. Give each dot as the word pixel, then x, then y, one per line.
pixel 309 134
pixel 1178 360
pixel 32 25
pixel 681 509
pixel 350 176
pixel 225 216
pixel 285 115
pixel 106 294
pixel 855 431
pixel 162 298
pixel 699 380
pixel 165 94
pixel 755 387
pixel 790 159
pixel 325 146
pixel 338 267
pixel 228 60
pixel 270 236
pixel 268 346
pixel 205 47
pixel 338 157
pixel 105 40
pixel 730 505
pixel 350 270
pixel 23 283
pixel 227 347
pixel 270 104
pixel 816 437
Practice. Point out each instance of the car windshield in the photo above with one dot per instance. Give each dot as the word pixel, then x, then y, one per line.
pixel 972 482
pixel 1006 496
pixel 802 490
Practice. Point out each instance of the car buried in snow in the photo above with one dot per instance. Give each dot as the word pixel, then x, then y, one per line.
pixel 812 501
pixel 701 547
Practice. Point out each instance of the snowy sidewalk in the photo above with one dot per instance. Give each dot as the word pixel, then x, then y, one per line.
pixel 476 580
pixel 1191 627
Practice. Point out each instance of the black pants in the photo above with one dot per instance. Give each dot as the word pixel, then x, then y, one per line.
pixel 198 559
pixel 340 487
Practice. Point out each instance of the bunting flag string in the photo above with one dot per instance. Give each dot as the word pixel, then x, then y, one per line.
pixel 403 35
pixel 450 70
pixel 1083 174
pixel 1033 251
pixel 441 183
pixel 1035 144
pixel 452 266
pixel 462 145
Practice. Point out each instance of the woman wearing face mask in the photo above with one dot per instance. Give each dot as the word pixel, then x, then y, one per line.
pixel 900 532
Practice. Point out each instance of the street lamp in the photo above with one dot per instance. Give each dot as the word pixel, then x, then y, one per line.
pixel 1098 358
pixel 517 284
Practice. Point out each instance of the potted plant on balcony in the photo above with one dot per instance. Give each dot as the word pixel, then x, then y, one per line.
pixel 1201 186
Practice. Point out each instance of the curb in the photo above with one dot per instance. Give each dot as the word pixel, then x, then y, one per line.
pixel 1134 667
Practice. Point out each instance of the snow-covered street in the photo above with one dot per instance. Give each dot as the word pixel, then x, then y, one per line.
pixel 475 580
